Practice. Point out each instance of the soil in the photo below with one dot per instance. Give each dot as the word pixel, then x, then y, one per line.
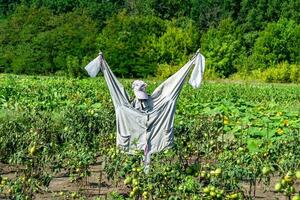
pixel 92 187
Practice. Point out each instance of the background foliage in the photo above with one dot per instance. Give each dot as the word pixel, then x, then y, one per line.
pixel 151 37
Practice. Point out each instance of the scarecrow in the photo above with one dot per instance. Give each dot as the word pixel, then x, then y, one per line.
pixel 146 123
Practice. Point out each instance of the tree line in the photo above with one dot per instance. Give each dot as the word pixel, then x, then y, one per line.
pixel 139 38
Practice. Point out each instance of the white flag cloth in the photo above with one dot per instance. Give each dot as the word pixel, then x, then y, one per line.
pixel 198 72
pixel 93 67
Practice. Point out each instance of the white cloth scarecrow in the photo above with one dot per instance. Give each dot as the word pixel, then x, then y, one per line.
pixel 147 122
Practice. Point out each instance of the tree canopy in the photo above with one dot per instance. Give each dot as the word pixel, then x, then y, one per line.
pixel 149 37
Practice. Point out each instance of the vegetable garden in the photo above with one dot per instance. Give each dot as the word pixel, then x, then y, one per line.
pixel 232 141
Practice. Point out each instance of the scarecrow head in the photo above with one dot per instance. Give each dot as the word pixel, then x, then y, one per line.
pixel 139 89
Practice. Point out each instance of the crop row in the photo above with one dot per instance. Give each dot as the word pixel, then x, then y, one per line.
pixel 228 137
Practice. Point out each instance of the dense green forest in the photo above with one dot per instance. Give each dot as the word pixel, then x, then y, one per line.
pixel 139 38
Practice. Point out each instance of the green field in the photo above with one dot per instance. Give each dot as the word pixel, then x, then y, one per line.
pixel 231 139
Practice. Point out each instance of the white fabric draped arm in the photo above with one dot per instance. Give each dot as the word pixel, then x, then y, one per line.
pixel 198 72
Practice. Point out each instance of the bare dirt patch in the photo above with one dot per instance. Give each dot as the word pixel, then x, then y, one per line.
pixel 98 185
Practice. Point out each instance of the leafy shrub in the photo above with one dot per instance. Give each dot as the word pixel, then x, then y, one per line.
pixel 178 42
pixel 279 42
pixel 211 74
pixel 125 43
pixel 282 73
pixel 73 66
pixel 134 45
pixel 166 70
pixel 221 46
pixel 295 73
pixel 35 41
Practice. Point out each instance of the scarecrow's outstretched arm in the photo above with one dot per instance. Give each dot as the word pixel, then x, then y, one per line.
pixel 170 88
pixel 117 92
